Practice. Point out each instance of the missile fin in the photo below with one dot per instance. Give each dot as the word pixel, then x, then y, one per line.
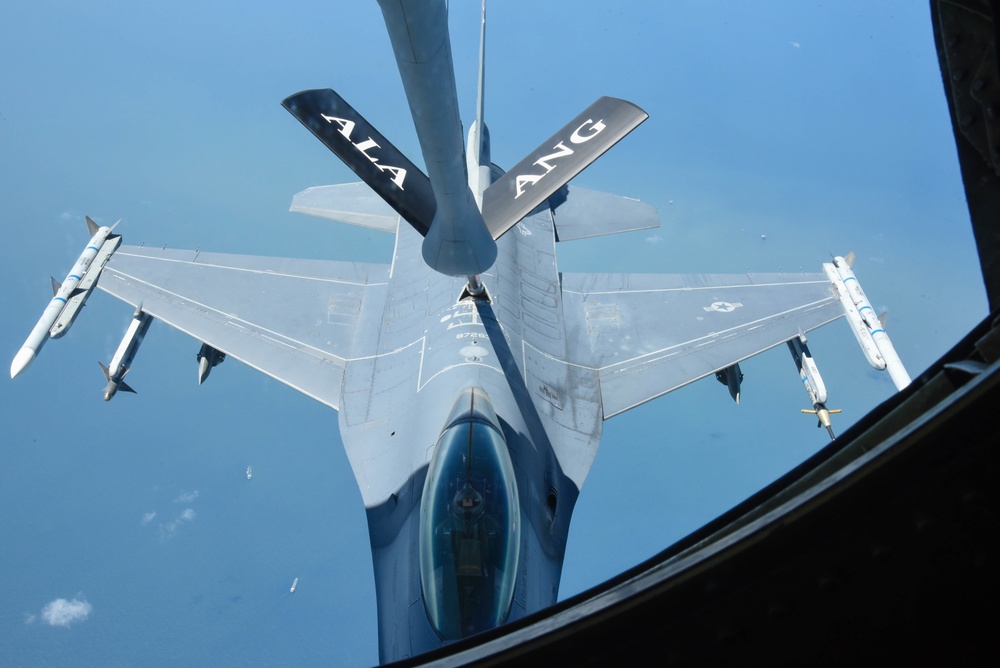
pixel 55 286
pixel 107 372
pixel 124 387
pixel 92 226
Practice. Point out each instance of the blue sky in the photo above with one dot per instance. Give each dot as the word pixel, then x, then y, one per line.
pixel 131 535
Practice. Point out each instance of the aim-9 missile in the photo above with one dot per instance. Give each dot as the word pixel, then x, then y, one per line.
pixel 208 357
pixel 125 355
pixel 811 381
pixel 58 316
pixel 864 323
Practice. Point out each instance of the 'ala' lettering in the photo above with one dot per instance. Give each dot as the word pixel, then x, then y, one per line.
pixel 346 128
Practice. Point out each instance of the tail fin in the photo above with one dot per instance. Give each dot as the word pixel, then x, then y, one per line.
pixel 567 153
pixel 478 151
pixel 368 153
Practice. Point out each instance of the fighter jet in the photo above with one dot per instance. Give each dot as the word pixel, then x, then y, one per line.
pixel 471 377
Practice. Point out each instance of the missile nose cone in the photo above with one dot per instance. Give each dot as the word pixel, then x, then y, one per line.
pixel 22 360
pixel 203 369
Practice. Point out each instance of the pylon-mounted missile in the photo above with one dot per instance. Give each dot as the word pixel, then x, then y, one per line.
pixel 811 381
pixel 864 323
pixel 71 295
pixel 115 372
pixel 208 357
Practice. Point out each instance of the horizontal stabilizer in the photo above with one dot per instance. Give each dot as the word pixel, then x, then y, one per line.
pixel 351 203
pixel 555 162
pixel 580 213
pixel 367 152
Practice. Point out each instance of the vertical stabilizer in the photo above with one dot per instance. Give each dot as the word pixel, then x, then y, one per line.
pixel 458 243
pixel 478 155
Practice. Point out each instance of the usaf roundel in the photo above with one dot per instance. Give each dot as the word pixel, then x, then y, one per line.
pixel 723 307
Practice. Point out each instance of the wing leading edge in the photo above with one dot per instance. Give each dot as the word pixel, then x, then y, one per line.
pixel 649 334
pixel 297 321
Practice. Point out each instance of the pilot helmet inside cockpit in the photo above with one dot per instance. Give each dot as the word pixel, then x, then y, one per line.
pixel 468 503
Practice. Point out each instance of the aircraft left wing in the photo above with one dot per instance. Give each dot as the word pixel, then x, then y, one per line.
pixel 649 334
pixel 295 320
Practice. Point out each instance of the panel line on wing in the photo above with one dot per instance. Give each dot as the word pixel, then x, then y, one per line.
pixel 268 272
pixel 524 358
pixel 228 317
pixel 677 386
pixel 716 337
pixel 690 288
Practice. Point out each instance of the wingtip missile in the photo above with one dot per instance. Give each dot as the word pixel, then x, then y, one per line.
pixel 867 328
pixel 22 360
pixel 69 296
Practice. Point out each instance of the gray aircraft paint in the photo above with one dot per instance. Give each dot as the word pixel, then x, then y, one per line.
pixel 390 347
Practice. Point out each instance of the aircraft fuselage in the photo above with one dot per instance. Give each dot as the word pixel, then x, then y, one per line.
pixel 395 406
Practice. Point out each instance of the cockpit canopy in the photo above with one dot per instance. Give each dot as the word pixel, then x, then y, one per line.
pixel 470 523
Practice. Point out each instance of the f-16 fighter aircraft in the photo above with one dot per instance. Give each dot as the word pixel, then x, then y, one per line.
pixel 471 376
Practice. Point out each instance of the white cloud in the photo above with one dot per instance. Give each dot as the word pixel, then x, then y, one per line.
pixel 148 517
pixel 30 618
pixel 61 612
pixel 653 239
pixel 168 530
pixel 795 45
pixel 187 497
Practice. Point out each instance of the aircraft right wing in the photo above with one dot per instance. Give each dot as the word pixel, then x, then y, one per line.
pixel 649 334
pixel 298 321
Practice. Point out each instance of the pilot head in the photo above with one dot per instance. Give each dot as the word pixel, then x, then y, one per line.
pixel 468 502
